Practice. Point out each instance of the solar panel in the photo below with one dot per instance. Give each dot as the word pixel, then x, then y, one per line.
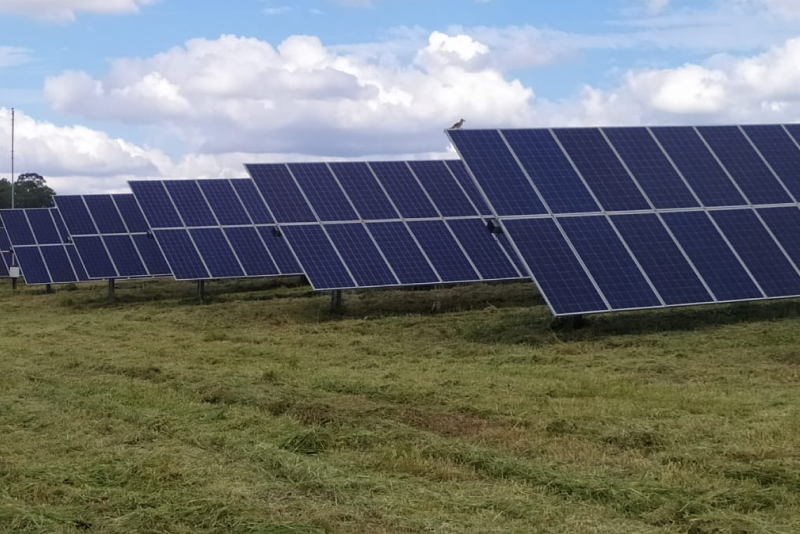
pixel 111 236
pixel 691 215
pixel 5 254
pixel 214 228
pixel 39 242
pixel 383 224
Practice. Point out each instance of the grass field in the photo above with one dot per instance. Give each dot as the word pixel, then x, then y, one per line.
pixel 450 411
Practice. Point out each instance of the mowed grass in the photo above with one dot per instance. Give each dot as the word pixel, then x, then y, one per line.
pixel 451 411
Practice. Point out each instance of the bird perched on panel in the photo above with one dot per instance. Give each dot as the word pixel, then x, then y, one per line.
pixel 458 125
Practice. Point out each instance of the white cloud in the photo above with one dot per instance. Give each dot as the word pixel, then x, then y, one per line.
pixel 67 10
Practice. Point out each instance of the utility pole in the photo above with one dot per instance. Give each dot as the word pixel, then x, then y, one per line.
pixel 12 158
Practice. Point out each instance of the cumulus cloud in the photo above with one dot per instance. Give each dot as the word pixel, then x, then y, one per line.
pixel 67 10
pixel 243 94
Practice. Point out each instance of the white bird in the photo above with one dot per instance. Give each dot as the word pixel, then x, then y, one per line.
pixel 458 125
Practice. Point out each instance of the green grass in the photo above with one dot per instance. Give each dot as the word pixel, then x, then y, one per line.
pixel 450 411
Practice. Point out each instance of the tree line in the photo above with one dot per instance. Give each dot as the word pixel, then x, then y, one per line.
pixel 30 191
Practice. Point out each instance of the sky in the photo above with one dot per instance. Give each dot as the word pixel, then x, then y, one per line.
pixel 111 90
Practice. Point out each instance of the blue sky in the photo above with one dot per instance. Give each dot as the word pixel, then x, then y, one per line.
pixel 121 89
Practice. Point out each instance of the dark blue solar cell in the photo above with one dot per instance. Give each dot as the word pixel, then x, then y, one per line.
pixel 190 202
pixel 17 228
pixel 58 264
pixel 281 253
pixel 443 189
pixel 781 153
pixel 156 204
pixel 217 253
pixel 712 256
pixel 181 254
pixel 775 274
pixel 224 202
pixel 77 263
pixel 32 265
pixel 44 226
pixel 322 191
pixel 794 131
pixel 251 199
pixel 698 166
pixel 403 253
pixel 483 249
pixel 650 166
pixel 131 213
pixel 251 251
pixel 784 224
pixel 95 257
pixel 559 274
pixel 5 243
pixel 551 171
pixel 609 263
pixel 497 172
pixel 281 193
pixel 459 170
pixel 661 259
pixel 744 164
pixel 319 259
pixel 153 258
pixel 361 255
pixel 105 214
pixel 75 215
pixel 403 189
pixel 60 226
pixel 505 244
pixel 5 257
pixel 602 170
pixel 364 191
pixel 443 251
pixel 125 256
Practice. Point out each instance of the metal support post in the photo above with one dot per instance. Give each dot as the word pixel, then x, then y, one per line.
pixel 336 301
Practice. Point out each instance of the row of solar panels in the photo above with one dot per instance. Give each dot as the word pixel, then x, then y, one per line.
pixel 600 218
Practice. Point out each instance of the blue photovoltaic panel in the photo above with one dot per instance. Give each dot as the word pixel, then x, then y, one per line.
pixel 744 165
pixel 364 191
pixel 217 253
pixel 279 249
pixel 279 188
pixel 249 248
pixel 463 178
pixel 43 226
pixel 444 252
pixel 403 254
pixel 609 263
pixel 601 169
pixel 551 171
pixel 698 166
pixel 784 224
pixel 484 250
pixel 58 265
pixel 5 252
pixel 318 257
pixel 95 257
pixel 105 214
pixel 125 255
pixel 151 254
pixel 156 204
pixel 660 181
pixel 363 258
pixel 251 199
pixel 403 189
pixel 794 132
pixel 17 228
pixel 77 264
pixel 668 270
pixel 711 255
pixel 182 255
pixel 75 214
pixel 322 191
pixel 776 275
pixel 505 185
pixel 781 153
pixel 224 202
pixel 32 266
pixel 443 188
pixel 131 214
pixel 555 267
pixel 190 202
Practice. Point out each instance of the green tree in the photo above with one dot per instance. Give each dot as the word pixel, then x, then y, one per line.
pixel 30 191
